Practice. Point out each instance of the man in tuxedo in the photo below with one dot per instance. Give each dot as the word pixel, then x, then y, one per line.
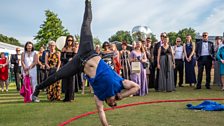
pixel 155 54
pixel 205 56
pixel 16 61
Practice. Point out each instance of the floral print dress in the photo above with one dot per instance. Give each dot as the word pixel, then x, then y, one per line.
pixel 54 90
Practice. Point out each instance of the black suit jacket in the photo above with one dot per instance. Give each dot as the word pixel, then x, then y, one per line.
pixel 199 49
pixel 156 48
pixel 14 60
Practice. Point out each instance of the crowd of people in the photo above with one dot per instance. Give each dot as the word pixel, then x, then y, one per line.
pixel 151 65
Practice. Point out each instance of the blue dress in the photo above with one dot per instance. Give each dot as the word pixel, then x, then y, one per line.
pixel 219 56
pixel 207 106
pixel 190 76
pixel 107 82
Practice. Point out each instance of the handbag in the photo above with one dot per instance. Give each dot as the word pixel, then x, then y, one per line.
pixel 145 65
pixel 135 67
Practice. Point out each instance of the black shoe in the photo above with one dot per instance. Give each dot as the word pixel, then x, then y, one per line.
pixel 181 86
pixel 65 100
pixel 208 88
pixel 198 88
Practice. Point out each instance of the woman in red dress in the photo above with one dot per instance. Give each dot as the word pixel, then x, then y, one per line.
pixel 4 71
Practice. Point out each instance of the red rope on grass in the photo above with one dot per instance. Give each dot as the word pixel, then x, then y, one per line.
pixel 135 104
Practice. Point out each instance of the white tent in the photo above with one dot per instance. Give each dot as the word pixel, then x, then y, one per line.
pixel 8 48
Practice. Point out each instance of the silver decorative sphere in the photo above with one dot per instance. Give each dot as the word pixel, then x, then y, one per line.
pixel 141 33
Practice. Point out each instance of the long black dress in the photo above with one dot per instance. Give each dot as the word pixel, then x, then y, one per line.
pixel 68 82
pixel 190 76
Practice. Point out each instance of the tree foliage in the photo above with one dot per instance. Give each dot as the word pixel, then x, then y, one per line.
pixel 153 37
pixel 51 29
pixel 96 40
pixel 172 37
pixel 121 36
pixel 9 40
pixel 126 35
pixel 182 34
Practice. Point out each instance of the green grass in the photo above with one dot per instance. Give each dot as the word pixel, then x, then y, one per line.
pixel 13 112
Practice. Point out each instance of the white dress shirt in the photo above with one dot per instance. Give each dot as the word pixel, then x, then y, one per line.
pixel 204 49
pixel 178 51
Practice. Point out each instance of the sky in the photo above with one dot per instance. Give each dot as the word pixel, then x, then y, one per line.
pixel 21 19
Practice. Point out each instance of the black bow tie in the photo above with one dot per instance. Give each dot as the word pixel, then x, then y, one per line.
pixel 205 41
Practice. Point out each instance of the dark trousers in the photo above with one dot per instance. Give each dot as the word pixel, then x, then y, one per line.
pixel 151 81
pixel 204 61
pixel 179 68
pixel 156 82
pixel 40 75
pixel 75 65
pixel 69 88
pixel 77 82
pixel 18 79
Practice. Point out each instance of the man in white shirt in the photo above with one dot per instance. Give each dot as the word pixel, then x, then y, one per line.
pixel 178 55
pixel 205 56
pixel 16 61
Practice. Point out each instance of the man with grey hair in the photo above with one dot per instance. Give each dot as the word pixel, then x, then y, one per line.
pixel 205 55
pixel 178 55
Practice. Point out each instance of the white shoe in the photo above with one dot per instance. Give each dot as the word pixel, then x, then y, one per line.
pixel 35 99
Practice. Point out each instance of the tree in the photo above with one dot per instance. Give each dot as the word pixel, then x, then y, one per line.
pixel 186 31
pixel 96 40
pixel 121 36
pixel 9 40
pixel 172 37
pixel 51 29
pixel 153 37
pixel 182 34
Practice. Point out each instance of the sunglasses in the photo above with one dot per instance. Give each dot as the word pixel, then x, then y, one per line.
pixel 204 35
pixel 178 41
pixel 70 40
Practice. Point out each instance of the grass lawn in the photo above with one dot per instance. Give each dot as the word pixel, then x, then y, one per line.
pixel 13 112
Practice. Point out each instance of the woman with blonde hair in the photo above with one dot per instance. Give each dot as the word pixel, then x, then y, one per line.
pixel 116 58
pixel 166 65
pixel 189 58
pixel 53 63
pixel 139 55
